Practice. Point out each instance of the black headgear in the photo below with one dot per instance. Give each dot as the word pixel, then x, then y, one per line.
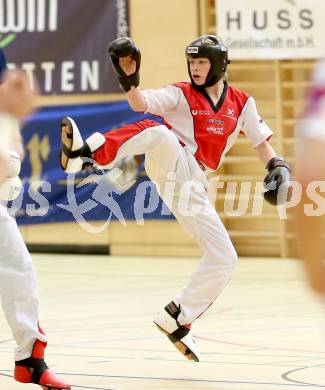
pixel 211 47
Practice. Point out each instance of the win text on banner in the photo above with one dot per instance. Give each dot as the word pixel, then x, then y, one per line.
pixel 63 43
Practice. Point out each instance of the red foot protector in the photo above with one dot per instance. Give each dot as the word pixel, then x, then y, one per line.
pixel 35 370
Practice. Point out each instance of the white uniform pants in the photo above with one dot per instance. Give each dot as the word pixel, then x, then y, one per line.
pixel 164 156
pixel 18 287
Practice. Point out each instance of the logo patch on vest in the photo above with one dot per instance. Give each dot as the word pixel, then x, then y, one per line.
pixel 230 113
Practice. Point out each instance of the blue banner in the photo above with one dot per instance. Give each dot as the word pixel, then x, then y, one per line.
pixel 63 43
pixel 50 195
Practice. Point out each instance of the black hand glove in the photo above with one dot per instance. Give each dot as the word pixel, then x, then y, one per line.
pixel 123 47
pixel 279 176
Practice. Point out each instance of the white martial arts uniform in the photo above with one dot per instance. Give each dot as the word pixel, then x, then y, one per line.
pixel 18 286
pixel 194 141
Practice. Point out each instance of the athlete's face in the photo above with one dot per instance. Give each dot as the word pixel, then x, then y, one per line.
pixel 199 68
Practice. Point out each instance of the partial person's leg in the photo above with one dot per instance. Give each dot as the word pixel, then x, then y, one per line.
pixel 147 137
pixel 18 290
pixel 189 203
pixel 18 287
pixel 217 264
pixel 163 156
pixel 106 149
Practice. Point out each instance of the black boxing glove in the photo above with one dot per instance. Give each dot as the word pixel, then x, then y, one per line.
pixel 123 47
pixel 279 176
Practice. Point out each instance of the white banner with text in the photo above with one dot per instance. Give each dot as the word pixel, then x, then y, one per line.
pixel 277 29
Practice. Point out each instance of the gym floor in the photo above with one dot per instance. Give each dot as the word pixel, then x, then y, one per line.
pixel 266 331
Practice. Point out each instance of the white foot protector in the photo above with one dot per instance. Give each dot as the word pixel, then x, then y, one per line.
pixel 180 335
pixel 72 142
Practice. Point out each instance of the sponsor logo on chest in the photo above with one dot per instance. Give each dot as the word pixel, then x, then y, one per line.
pixel 219 122
pixel 200 112
pixel 215 130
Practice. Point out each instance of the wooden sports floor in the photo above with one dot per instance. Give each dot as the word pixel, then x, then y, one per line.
pixel 266 332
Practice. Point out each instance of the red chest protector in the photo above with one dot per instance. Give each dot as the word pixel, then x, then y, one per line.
pixel 213 125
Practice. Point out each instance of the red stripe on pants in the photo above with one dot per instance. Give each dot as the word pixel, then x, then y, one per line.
pixel 116 138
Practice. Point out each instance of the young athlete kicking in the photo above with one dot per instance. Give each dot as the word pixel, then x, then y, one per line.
pixel 202 121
